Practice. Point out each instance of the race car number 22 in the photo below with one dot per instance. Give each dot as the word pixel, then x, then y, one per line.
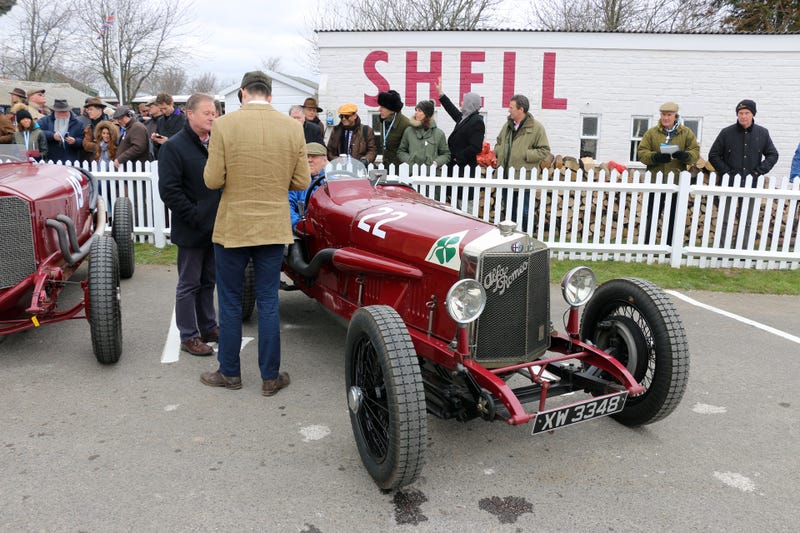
pixel 384 216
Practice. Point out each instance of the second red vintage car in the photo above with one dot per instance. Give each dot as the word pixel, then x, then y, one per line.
pixel 450 315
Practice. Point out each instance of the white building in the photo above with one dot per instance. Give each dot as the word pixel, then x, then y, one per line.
pixel 286 92
pixel 594 92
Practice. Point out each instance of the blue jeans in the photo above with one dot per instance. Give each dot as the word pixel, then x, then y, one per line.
pixel 231 263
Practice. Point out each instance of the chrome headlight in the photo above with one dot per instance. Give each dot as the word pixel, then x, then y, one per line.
pixel 465 301
pixel 578 285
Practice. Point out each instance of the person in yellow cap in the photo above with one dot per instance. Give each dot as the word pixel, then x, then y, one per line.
pixel 669 146
pixel 350 137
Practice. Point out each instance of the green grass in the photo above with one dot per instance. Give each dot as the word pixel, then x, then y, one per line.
pixel 686 278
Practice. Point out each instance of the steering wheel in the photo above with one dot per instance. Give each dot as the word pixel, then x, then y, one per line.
pixel 313 187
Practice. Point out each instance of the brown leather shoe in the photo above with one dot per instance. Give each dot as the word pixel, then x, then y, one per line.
pixel 215 379
pixel 195 346
pixel 272 386
pixel 210 336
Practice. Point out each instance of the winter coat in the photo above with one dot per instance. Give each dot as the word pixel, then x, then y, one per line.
pixel 169 125
pixel 181 186
pixel 737 150
pixel 36 141
pixel 97 136
pixel 312 133
pixel 795 171
pixel 652 140
pixel 393 130
pixel 135 145
pixel 298 197
pixel 62 150
pixel 89 142
pixel 7 130
pixel 362 143
pixel 466 140
pixel 528 145
pixel 421 146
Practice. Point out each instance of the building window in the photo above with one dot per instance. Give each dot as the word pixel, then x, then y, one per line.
pixel 695 124
pixel 375 119
pixel 590 133
pixel 639 126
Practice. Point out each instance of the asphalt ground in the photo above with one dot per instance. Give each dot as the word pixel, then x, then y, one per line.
pixel 144 446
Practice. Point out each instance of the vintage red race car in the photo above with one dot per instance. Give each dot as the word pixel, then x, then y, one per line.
pixel 451 315
pixel 51 219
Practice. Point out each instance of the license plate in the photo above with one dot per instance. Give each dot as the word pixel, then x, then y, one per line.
pixel 579 412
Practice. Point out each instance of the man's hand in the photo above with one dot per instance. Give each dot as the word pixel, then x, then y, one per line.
pixel 438 86
pixel 57 136
pixel 70 139
pixel 661 158
pixel 116 163
pixel 681 156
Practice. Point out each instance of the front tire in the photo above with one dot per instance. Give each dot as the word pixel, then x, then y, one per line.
pixel 637 323
pixel 385 396
pixel 103 307
pixel 122 233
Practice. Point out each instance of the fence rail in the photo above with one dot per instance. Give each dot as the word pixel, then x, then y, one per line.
pixel 594 216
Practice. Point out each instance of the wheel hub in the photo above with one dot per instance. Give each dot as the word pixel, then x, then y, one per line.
pixel 355 397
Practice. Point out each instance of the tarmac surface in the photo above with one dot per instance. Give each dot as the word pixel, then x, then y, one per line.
pixel 144 446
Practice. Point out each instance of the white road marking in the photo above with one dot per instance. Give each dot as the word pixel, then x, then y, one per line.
pixel 759 325
pixel 171 407
pixel 172 346
pixel 737 481
pixel 705 409
pixel 314 433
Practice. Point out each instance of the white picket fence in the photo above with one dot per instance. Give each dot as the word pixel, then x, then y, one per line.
pixel 597 216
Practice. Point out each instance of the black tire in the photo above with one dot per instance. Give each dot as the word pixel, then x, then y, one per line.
pixel 248 291
pixel 103 307
pixel 385 396
pixel 122 233
pixel 637 323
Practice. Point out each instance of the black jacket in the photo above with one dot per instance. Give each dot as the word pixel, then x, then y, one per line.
pixel 739 151
pixel 181 186
pixel 466 140
pixel 313 133
pixel 169 125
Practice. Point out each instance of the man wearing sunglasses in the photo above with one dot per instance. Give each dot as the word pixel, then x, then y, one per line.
pixel 350 137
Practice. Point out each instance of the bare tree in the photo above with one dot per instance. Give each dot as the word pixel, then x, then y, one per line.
pixel 33 47
pixel 623 15
pixel 272 63
pixel 144 36
pixel 407 14
pixel 204 83
pixel 170 80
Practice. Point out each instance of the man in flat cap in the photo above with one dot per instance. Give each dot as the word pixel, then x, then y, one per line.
pixel 256 156
pixel 667 147
pixel 317 159
pixel 64 133
pixel 743 148
pixel 37 104
pixel 350 137
pixel 393 125
pixel 133 144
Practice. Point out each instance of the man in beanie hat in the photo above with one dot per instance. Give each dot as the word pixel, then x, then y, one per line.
pixel 744 148
pixel 423 143
pixel 393 125
pixel 256 156
pixel 667 147
pixel 350 137
pixel 64 133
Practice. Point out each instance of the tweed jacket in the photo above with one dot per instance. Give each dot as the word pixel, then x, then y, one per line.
pixel 529 145
pixel 258 155
pixel 651 143
pixel 135 146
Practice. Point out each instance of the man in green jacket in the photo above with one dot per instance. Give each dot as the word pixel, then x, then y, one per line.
pixel 667 147
pixel 522 143
pixel 393 125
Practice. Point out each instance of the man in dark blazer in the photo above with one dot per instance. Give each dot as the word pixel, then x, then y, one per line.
pixel 194 208
pixel 134 145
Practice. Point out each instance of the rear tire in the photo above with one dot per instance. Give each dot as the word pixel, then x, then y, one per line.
pixel 122 233
pixel 385 396
pixel 636 322
pixel 103 307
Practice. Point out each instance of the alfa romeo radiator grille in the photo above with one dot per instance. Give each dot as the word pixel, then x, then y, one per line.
pixel 17 260
pixel 515 324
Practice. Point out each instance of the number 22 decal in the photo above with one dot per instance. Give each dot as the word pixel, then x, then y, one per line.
pixel 390 216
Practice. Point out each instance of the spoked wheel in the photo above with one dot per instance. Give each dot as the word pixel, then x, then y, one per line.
pixel 385 396
pixel 122 233
pixel 636 322
pixel 103 307
pixel 249 291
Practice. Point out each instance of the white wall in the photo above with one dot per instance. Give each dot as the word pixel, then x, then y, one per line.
pixel 284 96
pixel 616 76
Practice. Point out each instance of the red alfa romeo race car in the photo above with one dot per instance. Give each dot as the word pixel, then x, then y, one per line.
pixel 450 315
pixel 51 219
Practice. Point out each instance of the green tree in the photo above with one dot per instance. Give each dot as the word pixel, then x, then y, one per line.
pixel 767 16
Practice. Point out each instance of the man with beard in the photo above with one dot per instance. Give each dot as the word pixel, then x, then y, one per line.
pixel 64 133
pixel 350 137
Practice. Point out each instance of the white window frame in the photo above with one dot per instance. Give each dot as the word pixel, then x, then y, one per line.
pixel 584 136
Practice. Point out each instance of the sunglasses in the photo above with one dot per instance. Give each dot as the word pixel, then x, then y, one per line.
pixel 347 116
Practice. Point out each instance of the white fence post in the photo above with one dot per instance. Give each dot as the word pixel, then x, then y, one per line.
pixel 159 220
pixel 679 226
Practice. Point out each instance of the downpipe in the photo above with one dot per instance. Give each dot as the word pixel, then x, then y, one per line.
pixel 68 244
pixel 308 270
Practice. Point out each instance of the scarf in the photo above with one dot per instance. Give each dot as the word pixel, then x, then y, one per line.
pixel 470 105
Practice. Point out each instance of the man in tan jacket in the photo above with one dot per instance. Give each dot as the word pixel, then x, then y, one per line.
pixel 258 155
